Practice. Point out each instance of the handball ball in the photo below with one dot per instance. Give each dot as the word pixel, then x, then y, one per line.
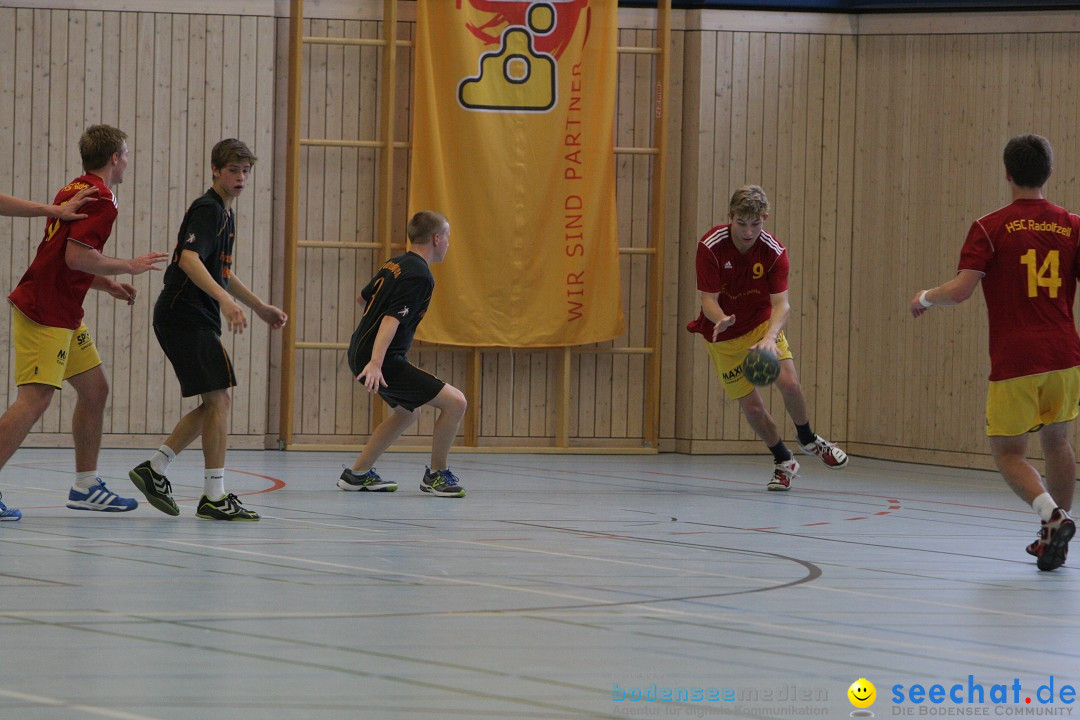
pixel 761 367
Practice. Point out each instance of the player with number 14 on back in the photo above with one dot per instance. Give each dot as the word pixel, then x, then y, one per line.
pixel 1026 257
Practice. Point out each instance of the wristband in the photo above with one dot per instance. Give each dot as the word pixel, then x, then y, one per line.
pixel 923 301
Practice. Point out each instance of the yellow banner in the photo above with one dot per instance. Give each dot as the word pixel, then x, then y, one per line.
pixel 513 140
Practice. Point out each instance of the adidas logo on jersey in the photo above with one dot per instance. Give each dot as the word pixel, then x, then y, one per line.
pixel 727 264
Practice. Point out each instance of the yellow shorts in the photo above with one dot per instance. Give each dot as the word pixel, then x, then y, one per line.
pixel 48 355
pixel 1025 404
pixel 728 355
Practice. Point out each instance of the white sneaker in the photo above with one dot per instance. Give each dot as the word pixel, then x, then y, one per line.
pixel 783 474
pixel 831 455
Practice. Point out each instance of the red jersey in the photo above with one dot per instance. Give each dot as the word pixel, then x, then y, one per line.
pixel 1027 252
pixel 50 293
pixel 744 282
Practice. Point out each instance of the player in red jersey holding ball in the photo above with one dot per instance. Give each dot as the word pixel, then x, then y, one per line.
pixel 742 274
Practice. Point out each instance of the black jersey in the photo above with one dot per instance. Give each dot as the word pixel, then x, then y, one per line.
pixel 401 288
pixel 209 229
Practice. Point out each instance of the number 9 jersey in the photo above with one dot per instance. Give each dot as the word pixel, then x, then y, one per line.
pixel 1028 256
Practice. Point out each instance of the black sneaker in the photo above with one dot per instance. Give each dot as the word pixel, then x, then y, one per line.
pixel 227 508
pixel 370 480
pixel 442 483
pixel 1053 544
pixel 156 488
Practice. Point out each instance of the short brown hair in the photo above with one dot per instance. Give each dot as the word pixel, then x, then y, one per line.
pixel 230 150
pixel 424 224
pixel 1028 160
pixel 99 143
pixel 748 202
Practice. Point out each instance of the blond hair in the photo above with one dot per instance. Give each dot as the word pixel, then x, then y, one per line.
pixel 749 202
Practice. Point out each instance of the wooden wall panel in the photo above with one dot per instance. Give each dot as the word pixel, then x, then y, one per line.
pixel 878 142
pixel 176 83
pixel 928 162
pixel 769 109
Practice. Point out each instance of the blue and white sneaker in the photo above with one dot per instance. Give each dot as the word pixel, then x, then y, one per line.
pixel 9 514
pixel 100 498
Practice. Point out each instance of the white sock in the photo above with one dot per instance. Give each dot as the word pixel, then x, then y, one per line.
pixel 214 483
pixel 162 459
pixel 86 480
pixel 1044 505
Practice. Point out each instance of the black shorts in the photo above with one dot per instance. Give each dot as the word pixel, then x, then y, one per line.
pixel 198 357
pixel 406 385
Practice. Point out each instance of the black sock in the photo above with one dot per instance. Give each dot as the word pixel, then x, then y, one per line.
pixel 780 452
pixel 806 435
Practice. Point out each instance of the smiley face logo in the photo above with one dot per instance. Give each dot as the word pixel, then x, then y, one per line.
pixel 862 693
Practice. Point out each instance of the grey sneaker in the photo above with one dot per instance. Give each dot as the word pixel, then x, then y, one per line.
pixel 441 483
pixel 369 481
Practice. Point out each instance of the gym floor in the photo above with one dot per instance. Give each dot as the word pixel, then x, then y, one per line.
pixel 561 587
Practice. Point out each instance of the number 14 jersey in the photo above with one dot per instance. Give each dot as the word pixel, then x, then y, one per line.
pixel 1027 253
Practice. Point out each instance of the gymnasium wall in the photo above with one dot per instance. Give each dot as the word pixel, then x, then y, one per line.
pixel 937 99
pixel 878 139
pixel 176 83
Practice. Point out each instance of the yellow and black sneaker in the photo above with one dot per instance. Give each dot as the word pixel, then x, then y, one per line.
pixel 155 486
pixel 227 508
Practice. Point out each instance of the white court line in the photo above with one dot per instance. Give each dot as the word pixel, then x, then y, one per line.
pixel 735 618
pixel 91 709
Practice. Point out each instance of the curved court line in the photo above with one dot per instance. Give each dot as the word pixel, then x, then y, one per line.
pixel 275 483
pixel 732 617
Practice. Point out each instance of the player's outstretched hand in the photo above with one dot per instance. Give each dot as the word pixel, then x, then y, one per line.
pixel 372 378
pixel 123 291
pixel 725 322
pixel 149 261
pixel 272 316
pixel 234 316
pixel 70 210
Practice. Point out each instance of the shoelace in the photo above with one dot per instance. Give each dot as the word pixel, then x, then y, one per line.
pixel 449 479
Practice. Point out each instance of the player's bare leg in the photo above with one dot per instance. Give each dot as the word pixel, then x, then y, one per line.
pixel 30 404
pixel 89 491
pixel 754 410
pixel 1010 453
pixel 1010 456
pixel 451 404
pixel 149 476
pixel 88 418
pixel 791 390
pixel 1060 463
pixel 215 430
pixel 385 435
pixel 187 429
